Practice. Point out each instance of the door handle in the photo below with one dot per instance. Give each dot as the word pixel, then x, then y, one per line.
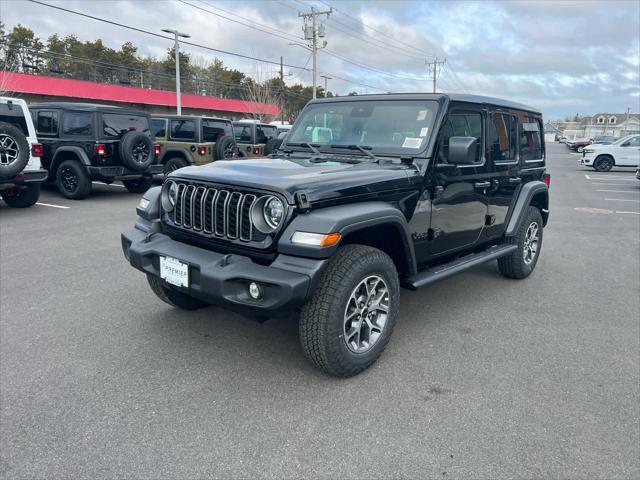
pixel 515 180
pixel 482 185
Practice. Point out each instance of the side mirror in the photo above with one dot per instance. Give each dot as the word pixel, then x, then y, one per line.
pixel 462 150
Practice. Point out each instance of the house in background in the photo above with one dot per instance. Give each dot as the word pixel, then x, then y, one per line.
pixel 615 124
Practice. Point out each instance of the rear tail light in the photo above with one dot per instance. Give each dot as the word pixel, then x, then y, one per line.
pixel 101 150
pixel 156 149
pixel 546 178
pixel 37 150
pixel 202 150
pixel 256 150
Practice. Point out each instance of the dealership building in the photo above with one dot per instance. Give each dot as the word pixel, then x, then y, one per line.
pixel 38 88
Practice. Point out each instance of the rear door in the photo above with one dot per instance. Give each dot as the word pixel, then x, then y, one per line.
pixel 459 206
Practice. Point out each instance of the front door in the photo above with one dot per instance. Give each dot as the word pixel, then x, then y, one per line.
pixel 629 153
pixel 459 206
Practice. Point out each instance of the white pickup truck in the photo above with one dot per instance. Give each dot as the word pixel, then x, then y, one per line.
pixel 21 172
pixel 624 152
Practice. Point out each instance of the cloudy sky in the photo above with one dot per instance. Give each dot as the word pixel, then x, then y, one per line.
pixel 564 57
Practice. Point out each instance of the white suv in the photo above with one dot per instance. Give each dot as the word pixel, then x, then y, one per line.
pixel 624 152
pixel 21 172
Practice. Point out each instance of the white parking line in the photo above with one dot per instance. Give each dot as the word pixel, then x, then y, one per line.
pixel 49 205
pixel 621 200
pixel 632 213
pixel 610 184
pixel 618 191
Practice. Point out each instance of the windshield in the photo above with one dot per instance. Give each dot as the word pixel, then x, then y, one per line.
pixel 387 126
pixel 623 139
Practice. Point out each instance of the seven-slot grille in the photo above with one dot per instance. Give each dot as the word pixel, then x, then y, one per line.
pixel 214 212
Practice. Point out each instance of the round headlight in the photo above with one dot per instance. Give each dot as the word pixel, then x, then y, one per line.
pixel 169 195
pixel 273 212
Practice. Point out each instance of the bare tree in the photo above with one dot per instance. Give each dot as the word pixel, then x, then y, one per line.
pixel 260 91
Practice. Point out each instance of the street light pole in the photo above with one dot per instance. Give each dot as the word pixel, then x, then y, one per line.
pixel 176 50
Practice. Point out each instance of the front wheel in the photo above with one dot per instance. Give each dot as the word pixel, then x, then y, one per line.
pixel 348 322
pixel 520 263
pixel 22 198
pixel 139 185
pixel 603 163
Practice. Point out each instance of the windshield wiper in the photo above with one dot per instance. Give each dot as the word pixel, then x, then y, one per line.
pixel 363 148
pixel 310 146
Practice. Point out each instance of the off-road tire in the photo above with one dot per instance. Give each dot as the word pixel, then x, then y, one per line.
pixel 603 163
pixel 271 145
pixel 13 137
pixel 139 185
pixel 173 297
pixel 136 151
pixel 225 148
pixel 82 181
pixel 322 318
pixel 174 163
pixel 514 265
pixel 22 197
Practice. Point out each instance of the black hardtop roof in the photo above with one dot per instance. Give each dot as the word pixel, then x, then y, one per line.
pixel 240 122
pixel 88 107
pixel 453 97
pixel 188 117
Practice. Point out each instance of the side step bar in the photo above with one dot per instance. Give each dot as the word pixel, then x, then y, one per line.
pixel 439 272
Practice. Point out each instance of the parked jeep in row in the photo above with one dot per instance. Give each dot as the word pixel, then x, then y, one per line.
pixel 256 139
pixel 20 170
pixel 367 194
pixel 86 142
pixel 187 140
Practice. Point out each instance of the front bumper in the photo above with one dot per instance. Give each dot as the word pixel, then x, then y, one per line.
pixel 224 279
pixel 26 177
pixel 110 173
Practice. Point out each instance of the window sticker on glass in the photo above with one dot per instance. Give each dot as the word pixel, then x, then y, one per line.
pixel 422 114
pixel 424 131
pixel 530 127
pixel 412 142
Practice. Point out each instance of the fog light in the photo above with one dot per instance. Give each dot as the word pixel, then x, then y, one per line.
pixel 255 291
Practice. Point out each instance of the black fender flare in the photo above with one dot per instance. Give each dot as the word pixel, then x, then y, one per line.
pixel 347 219
pixel 183 152
pixel 525 196
pixel 77 151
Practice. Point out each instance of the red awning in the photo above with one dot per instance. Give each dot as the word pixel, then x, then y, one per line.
pixel 62 87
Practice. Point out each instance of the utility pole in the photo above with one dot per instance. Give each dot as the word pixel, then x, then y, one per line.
pixel 311 34
pixel 176 49
pixel 281 92
pixel 435 68
pixel 326 77
pixel 626 123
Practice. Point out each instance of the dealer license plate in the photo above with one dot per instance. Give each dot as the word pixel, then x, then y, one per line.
pixel 174 271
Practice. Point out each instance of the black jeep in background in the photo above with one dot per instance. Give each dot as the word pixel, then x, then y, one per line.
pixel 86 142
pixel 367 194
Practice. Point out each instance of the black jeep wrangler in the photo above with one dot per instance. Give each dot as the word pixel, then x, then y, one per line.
pixel 366 195
pixel 84 142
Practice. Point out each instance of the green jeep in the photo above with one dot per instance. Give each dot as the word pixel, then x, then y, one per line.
pixel 256 139
pixel 186 140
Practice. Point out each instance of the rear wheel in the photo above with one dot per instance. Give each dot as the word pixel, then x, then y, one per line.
pixel 603 163
pixel 528 239
pixel 348 322
pixel 139 185
pixel 173 297
pixel 72 180
pixel 21 197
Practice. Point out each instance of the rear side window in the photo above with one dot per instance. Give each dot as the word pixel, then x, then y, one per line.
pixel 159 127
pixel 242 133
pixel 212 130
pixel 114 125
pixel 264 133
pixel 77 123
pixel 183 130
pixel 47 123
pixel 503 132
pixel 531 139
pixel 461 125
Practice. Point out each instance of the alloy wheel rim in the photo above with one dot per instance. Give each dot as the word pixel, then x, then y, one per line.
pixel 140 152
pixel 531 242
pixel 9 150
pixel 366 314
pixel 69 179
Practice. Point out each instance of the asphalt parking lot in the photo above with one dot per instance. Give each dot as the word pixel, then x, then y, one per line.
pixel 484 377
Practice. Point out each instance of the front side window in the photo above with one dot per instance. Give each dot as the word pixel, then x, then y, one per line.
pixel 47 123
pixel 461 124
pixel 77 123
pixel 632 142
pixel 502 136
pixel 114 125
pixel 212 130
pixel 530 139
pixel 390 126
pixel 159 127
pixel 183 130
pixel 242 133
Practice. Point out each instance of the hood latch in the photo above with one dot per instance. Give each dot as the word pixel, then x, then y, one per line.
pixel 302 201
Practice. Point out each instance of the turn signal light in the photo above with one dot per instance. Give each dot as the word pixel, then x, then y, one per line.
pixel 37 150
pixel 316 239
pixel 202 150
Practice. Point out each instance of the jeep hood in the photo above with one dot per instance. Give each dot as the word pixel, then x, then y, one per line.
pixel 320 181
